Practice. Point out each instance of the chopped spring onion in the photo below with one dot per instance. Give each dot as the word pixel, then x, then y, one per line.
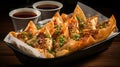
pixel 76 36
pixel 78 18
pixel 61 40
pixel 82 24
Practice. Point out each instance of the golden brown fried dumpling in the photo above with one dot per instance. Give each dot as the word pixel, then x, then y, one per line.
pixel 79 13
pixel 108 28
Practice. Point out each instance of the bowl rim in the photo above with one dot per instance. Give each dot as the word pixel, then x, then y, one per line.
pixel 12 12
pixel 59 4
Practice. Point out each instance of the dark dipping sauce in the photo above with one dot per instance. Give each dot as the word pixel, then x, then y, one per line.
pixel 47 6
pixel 24 14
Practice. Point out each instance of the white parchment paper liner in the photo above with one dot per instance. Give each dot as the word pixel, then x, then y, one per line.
pixel 24 47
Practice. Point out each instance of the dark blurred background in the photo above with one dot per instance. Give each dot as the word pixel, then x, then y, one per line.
pixel 106 7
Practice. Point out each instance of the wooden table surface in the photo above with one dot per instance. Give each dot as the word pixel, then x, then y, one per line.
pixel 110 57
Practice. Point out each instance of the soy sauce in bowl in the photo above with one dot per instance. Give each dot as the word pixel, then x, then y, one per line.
pixel 47 6
pixel 24 14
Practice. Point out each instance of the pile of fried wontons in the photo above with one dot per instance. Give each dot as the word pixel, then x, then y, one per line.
pixel 64 34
